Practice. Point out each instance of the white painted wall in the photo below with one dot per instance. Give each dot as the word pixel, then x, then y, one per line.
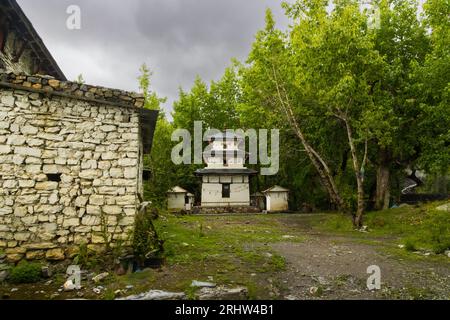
pixel 212 195
pixel 176 201
pixel 277 201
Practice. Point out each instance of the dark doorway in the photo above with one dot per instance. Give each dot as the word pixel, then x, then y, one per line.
pixel 225 190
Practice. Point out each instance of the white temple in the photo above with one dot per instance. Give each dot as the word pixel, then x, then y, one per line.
pixel 225 180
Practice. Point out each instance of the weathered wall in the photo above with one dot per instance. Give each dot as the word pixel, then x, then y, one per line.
pixel 277 201
pixel 176 201
pixel 212 191
pixel 93 145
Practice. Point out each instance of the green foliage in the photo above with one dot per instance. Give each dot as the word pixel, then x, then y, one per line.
pixel 80 79
pixel 151 99
pixel 83 256
pixel 418 228
pixel 25 272
pixel 434 233
pixel 389 85
pixel 145 243
pixel 410 245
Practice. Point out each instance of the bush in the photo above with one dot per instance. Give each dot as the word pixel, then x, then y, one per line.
pixel 439 231
pixel 410 245
pixel 146 243
pixel 433 233
pixel 25 272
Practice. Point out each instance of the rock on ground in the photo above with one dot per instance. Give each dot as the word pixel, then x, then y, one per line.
pixel 156 295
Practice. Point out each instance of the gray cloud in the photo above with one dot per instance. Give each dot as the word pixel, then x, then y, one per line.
pixel 178 39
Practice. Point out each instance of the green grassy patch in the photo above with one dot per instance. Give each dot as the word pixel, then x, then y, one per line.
pixel 416 227
pixel 25 272
pixel 230 249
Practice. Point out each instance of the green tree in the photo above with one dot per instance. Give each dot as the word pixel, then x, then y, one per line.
pixel 151 99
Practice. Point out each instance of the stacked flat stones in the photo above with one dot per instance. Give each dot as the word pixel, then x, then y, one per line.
pixel 69 166
pixel 50 84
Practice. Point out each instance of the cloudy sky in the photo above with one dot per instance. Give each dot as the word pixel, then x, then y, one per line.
pixel 178 39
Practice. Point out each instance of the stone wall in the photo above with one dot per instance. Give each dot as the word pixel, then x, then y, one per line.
pixel 69 166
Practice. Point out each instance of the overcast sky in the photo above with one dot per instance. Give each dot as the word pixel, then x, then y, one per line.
pixel 178 39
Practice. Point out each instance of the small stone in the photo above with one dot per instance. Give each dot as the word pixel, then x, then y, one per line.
pixel 5 149
pixel 32 152
pixel 53 83
pixel 69 286
pixel 46 272
pixel 100 277
pixel 16 140
pixel 48 185
pixel 157 295
pixel 55 255
pixel 3 275
pixel 313 291
pixel 200 284
pixel 8 101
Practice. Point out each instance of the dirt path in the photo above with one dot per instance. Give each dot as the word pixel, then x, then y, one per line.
pixel 335 267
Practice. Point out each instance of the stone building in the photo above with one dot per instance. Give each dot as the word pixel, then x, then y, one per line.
pixel 71 155
pixel 225 180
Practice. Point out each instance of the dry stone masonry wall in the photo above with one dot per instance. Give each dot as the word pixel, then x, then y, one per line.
pixel 69 166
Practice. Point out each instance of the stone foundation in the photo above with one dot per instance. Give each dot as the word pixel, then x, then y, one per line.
pixel 224 210
pixel 70 166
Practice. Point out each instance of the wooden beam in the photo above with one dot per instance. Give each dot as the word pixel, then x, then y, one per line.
pixel 18 53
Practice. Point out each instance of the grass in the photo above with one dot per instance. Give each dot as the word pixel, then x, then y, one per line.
pixel 225 248
pixel 25 272
pixel 199 238
pixel 418 228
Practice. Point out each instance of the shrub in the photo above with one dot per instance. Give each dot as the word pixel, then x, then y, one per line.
pixel 146 243
pixel 439 232
pixel 25 272
pixel 409 245
pixel 378 222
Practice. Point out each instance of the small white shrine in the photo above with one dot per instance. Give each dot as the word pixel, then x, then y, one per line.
pixel 179 199
pixel 225 180
pixel 277 199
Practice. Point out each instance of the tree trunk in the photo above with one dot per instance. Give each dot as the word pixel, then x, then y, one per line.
pixel 358 223
pixel 358 217
pixel 319 164
pixel 382 196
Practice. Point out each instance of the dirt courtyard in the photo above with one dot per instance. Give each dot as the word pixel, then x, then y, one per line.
pixel 283 256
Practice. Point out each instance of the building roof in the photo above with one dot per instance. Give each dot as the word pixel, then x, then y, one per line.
pixel 177 189
pixel 276 188
pixel 225 172
pixel 225 152
pixel 227 135
pixel 22 25
pixel 257 194
pixel 148 120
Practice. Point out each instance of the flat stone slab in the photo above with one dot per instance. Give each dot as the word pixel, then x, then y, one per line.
pixel 444 207
pixel 223 293
pixel 156 295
